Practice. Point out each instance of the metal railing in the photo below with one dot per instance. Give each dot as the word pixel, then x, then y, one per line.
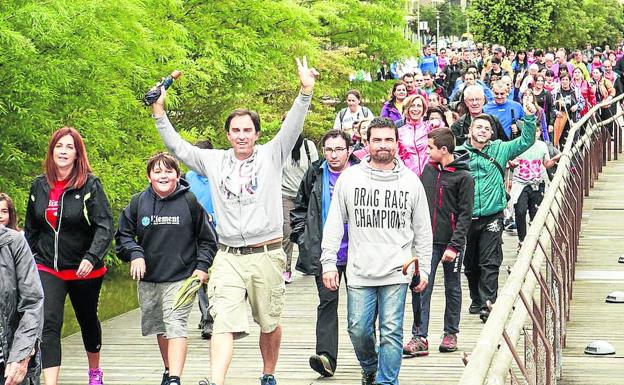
pixel 535 301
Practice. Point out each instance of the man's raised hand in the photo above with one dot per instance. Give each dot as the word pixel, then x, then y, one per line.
pixel 307 76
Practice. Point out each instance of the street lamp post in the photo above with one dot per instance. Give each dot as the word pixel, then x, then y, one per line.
pixel 437 30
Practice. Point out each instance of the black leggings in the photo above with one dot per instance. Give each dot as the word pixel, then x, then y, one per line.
pixel 84 296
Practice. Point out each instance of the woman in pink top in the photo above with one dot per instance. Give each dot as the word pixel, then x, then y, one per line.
pixel 413 135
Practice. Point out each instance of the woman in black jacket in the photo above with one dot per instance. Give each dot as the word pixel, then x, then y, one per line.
pixel 69 227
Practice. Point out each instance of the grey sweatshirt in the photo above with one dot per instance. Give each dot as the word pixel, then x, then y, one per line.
pixel 254 214
pixel 387 213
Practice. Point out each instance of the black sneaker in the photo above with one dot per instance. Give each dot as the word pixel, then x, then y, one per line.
pixel 165 378
pixel 320 364
pixel 368 378
pixel 206 332
pixel 484 314
pixel 475 307
pixel 205 382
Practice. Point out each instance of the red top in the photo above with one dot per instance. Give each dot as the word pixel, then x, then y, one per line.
pixel 70 274
pixel 56 192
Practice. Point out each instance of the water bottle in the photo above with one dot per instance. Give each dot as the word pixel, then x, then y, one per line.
pixel 152 96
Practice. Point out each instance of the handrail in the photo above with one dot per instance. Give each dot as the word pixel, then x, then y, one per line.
pixel 554 241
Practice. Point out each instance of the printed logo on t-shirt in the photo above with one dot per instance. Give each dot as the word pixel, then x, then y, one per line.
pixel 164 220
pixel 383 209
pixel 145 221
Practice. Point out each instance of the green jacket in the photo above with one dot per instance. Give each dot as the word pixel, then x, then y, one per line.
pixel 489 186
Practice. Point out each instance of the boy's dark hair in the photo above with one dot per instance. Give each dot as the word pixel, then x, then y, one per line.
pixel 336 134
pixel 204 144
pixel 380 122
pixel 443 137
pixel 164 158
pixel 255 118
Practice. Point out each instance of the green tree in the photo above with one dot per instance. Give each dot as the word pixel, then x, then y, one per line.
pixel 452 18
pixel 87 63
pixel 513 23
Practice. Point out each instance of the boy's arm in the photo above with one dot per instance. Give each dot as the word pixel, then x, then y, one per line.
pixel 421 226
pixel 126 246
pixel 465 202
pixel 207 240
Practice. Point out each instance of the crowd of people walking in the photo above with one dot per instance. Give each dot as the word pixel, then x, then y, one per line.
pixel 460 148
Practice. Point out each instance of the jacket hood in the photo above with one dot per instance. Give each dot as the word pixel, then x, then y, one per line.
pixel 388 175
pixel 462 160
pixel 183 185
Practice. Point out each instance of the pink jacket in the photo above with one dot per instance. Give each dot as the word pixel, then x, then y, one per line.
pixel 413 145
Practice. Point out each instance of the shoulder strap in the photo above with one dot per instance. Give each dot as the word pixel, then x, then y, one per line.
pixel 135 203
pixel 191 201
pixel 490 159
pixel 307 150
pixel 365 111
pixel 342 114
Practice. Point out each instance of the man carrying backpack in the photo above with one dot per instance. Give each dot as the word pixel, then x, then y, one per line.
pixel 484 253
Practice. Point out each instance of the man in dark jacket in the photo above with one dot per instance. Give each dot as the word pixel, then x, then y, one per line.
pixel 450 193
pixel 307 219
pixel 474 98
pixel 21 310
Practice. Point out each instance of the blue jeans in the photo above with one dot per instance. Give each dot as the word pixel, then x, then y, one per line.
pixel 452 290
pixel 362 303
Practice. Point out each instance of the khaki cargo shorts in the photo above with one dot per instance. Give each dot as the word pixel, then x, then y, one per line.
pixel 157 315
pixel 236 278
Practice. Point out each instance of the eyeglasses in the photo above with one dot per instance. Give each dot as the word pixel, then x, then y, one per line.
pixel 337 150
pixel 474 100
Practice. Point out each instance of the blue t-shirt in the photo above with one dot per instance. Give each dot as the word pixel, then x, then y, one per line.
pixel 504 113
pixel 428 63
pixel 342 253
pixel 200 186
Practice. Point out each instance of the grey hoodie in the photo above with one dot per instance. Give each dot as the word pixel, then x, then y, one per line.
pixel 387 213
pixel 253 215
pixel 21 307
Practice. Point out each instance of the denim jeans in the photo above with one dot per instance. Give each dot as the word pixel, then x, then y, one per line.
pixel 421 302
pixel 361 305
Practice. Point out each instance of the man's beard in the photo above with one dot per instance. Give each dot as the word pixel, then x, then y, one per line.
pixel 382 157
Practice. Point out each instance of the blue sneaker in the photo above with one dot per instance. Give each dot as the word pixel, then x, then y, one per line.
pixel 267 379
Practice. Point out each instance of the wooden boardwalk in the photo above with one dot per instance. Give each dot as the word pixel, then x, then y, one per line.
pixel 129 358
pixel 597 274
